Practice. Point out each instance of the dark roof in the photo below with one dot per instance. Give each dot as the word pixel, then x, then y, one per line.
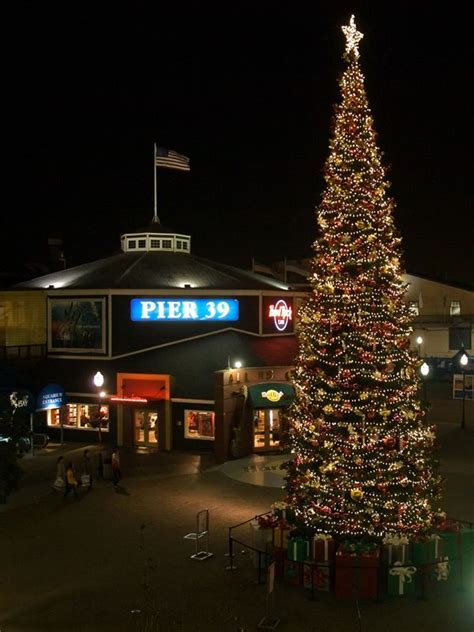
pixel 154 270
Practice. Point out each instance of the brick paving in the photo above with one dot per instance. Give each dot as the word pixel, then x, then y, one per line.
pixel 85 566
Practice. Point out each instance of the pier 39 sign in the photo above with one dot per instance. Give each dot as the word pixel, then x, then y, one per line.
pixel 173 309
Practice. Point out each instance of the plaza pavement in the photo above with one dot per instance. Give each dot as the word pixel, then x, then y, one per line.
pixel 117 561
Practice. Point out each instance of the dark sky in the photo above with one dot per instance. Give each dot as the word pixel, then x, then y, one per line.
pixel 246 91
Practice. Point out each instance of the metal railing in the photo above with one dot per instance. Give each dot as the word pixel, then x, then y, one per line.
pixel 21 352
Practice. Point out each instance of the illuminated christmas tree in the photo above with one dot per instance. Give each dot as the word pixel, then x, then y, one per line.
pixel 363 453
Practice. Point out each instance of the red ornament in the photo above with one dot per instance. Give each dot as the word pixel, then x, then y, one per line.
pixel 382 487
pixel 389 442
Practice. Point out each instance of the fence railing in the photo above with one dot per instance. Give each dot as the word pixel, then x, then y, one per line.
pixel 20 352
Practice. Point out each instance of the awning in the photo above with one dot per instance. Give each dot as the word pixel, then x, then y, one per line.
pixel 271 395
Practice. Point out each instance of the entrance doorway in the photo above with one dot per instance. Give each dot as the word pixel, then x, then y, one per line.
pixel 145 427
pixel 266 428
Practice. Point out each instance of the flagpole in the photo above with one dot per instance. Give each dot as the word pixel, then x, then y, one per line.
pixel 155 212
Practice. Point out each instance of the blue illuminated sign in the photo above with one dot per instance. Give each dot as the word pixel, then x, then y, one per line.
pixel 165 309
pixel 51 396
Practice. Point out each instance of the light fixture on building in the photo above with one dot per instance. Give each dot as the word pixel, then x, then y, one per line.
pixel 419 342
pixel 424 369
pixel 463 361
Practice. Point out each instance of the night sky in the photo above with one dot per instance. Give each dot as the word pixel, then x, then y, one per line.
pixel 247 92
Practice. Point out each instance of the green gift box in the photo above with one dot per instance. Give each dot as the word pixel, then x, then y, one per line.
pixel 467 545
pixel 298 549
pixel 427 551
pixel 451 543
pixel 401 580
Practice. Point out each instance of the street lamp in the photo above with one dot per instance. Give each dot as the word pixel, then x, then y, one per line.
pixel 463 360
pixel 98 383
pixel 419 342
pixel 424 370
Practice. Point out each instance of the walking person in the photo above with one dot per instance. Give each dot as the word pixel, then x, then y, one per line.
pixel 86 477
pixel 71 482
pixel 116 470
pixel 60 480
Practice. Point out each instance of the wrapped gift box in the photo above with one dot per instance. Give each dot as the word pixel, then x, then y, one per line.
pixel 324 548
pixel 457 542
pixel 401 580
pixel 298 549
pixel 317 576
pixel 395 548
pixel 427 550
pixel 467 546
pixel 357 574
pixel 261 539
pixel 281 535
pixel 293 572
pixel 278 556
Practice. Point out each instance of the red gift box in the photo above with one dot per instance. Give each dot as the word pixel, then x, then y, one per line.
pixel 323 549
pixel 316 576
pixel 357 574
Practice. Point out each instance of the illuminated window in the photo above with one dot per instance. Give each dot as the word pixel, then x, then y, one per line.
pixel 199 424
pixel 167 243
pixel 142 243
pixel 81 417
pixel 132 243
pixel 154 243
pixel 414 308
pixel 185 245
pixel 455 308
pixel 178 244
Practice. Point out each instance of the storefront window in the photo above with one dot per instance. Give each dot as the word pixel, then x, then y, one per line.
pixel 199 424
pixel 81 417
pixel 267 428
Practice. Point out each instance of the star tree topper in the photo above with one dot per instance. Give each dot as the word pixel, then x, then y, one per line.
pixel 353 37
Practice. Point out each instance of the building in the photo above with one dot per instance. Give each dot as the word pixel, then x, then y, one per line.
pixel 194 353
pixel 443 313
pixel 166 330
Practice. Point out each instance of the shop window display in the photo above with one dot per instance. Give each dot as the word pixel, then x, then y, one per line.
pixel 81 417
pixel 199 424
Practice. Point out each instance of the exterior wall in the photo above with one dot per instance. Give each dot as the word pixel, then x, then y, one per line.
pixel 22 318
pixel 434 320
pixel 234 432
pixel 436 298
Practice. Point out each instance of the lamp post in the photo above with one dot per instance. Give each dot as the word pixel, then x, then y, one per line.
pixel 419 342
pixel 463 360
pixel 424 370
pixel 98 383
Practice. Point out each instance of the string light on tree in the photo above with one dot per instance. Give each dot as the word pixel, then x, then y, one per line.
pixel 363 453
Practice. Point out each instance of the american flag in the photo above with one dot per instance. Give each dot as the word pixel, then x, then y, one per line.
pixel 171 159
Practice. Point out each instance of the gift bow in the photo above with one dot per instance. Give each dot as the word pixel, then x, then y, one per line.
pixel 405 573
pixel 395 540
pixel 442 569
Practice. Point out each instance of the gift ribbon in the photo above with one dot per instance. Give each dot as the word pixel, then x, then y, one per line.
pixel 436 539
pixel 404 574
pixel 442 570
pixel 402 548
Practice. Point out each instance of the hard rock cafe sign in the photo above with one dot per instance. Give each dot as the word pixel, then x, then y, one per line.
pixel 281 313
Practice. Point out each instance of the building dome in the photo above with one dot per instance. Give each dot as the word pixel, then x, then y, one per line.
pixel 155 238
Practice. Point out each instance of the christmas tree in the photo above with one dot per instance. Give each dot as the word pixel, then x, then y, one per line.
pixel 363 452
